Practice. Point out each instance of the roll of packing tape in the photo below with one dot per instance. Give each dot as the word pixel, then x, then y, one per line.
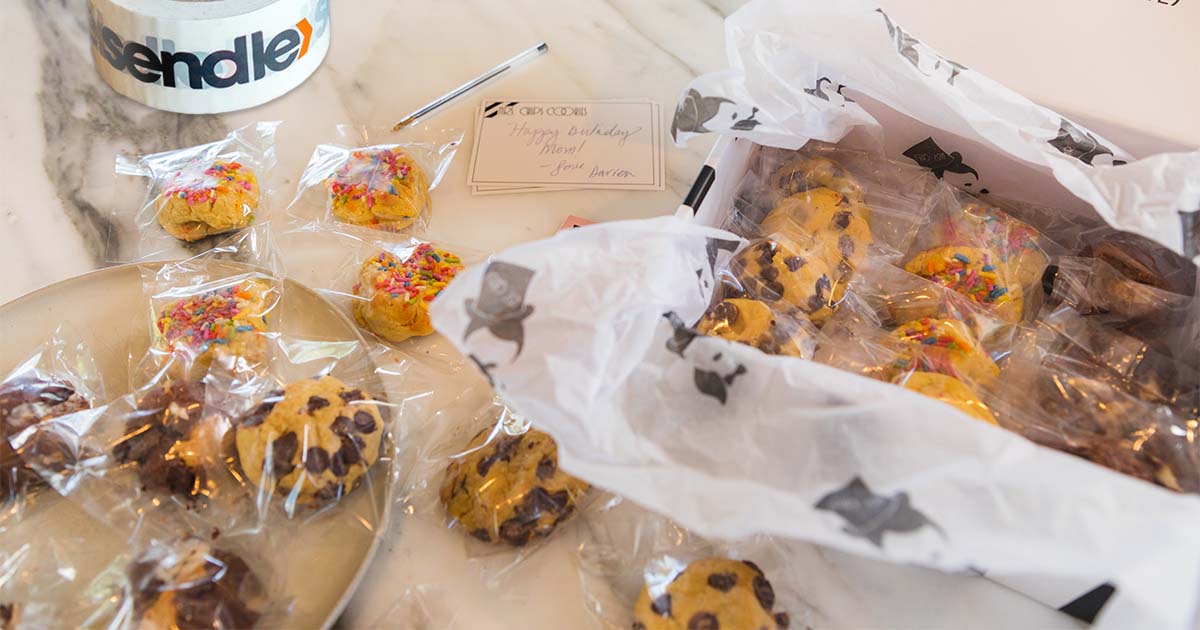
pixel 207 56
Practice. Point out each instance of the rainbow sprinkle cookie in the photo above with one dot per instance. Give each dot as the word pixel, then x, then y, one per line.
pixel 974 273
pixel 381 188
pixel 396 294
pixel 200 202
pixel 951 391
pixel 946 346
pixel 224 322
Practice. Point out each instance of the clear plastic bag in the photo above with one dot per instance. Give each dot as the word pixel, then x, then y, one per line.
pixel 376 179
pixel 58 379
pixel 219 306
pixel 312 436
pixel 639 569
pixel 492 476
pixel 199 192
pixel 384 282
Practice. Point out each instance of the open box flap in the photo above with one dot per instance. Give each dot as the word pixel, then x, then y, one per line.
pixel 817 70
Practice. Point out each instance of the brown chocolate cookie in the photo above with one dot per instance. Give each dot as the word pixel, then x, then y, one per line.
pixel 24 402
pixel 191 585
pixel 169 441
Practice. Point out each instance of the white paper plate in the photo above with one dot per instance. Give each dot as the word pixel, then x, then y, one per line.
pixel 108 310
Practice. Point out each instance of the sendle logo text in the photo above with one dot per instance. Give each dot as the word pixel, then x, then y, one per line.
pixel 252 56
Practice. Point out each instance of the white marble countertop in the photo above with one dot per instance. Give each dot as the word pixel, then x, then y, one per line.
pixel 60 129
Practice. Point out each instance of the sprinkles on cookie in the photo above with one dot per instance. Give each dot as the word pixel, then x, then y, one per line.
pixel 214 317
pixel 199 187
pixel 368 174
pixel 419 278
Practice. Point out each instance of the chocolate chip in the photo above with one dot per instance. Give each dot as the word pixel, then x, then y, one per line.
pixel 776 289
pixel 769 273
pixel 504 450
pixel 703 621
pixel 315 403
pixel 546 468
pixel 662 605
pixel 351 450
pixel 482 534
pixel 753 567
pixel 179 478
pixel 350 395
pixel 723 581
pixel 364 422
pixel 283 449
pixel 516 531
pixel 337 463
pixel 316 460
pixel 342 425
pixel 782 620
pixel 726 312
pixel 846 245
pixel 262 411
pixel 841 220
pixel 815 303
pixel 637 625
pixel 764 593
pixel 823 286
pixel 794 262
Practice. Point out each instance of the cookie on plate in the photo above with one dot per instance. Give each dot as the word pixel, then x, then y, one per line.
pixel 753 323
pixel 201 201
pixel 189 584
pixel 24 402
pixel 946 346
pixel 711 593
pixel 973 272
pixel 379 187
pixel 314 440
pixel 771 270
pixel 803 173
pixel 169 441
pixel 396 294
pixel 951 391
pixel 510 489
pixel 225 322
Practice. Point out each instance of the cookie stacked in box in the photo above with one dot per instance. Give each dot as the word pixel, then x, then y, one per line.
pixel 1062 330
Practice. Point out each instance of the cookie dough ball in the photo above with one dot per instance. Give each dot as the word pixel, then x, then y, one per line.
pixel 225 322
pixel 314 440
pixel 169 441
pixel 396 294
pixel 510 489
pixel 711 593
pixel 771 270
pixel 804 173
pixel 202 201
pixel 189 584
pixel 947 346
pixel 381 188
pixel 754 323
pixel 830 219
pixel 25 402
pixel 951 391
pixel 973 272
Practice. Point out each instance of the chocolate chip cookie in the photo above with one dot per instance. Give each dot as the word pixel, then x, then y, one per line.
pixel 313 440
pixel 508 488
pixel 710 594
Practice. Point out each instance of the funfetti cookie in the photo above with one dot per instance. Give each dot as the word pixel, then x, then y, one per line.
pixel 946 346
pixel 208 199
pixel 951 391
pixel 711 593
pixel 314 440
pixel 510 489
pixel 224 322
pixel 379 187
pixel 395 294
pixel 975 273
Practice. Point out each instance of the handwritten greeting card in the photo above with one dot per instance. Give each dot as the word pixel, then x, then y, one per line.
pixel 532 145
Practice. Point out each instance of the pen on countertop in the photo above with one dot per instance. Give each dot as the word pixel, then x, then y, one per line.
pixel 472 84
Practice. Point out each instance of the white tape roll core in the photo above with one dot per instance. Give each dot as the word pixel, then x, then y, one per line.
pixel 207 56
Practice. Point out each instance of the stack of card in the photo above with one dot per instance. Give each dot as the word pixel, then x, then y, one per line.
pixel 524 145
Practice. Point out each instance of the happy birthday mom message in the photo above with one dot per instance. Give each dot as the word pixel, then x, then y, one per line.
pixel 569 144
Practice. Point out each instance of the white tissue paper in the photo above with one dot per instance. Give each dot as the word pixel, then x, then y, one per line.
pixel 587 333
